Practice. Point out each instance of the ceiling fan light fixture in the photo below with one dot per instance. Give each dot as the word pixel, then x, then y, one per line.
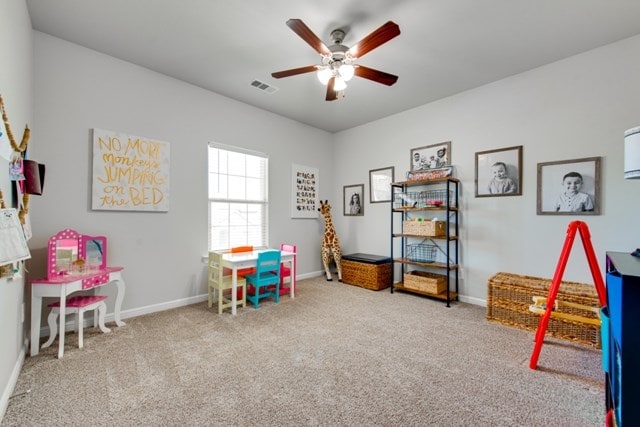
pixel 324 74
pixel 337 61
pixel 346 72
pixel 339 84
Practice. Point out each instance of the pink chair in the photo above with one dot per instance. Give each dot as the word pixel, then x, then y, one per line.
pixel 77 305
pixel 285 271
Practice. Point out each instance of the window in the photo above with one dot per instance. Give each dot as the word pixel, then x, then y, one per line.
pixel 238 199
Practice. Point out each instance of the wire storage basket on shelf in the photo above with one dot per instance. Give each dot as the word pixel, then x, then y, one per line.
pixel 424 199
pixel 421 252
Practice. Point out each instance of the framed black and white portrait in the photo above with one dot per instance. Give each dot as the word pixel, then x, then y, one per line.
pixel 431 157
pixel 569 187
pixel 499 172
pixel 380 184
pixel 353 202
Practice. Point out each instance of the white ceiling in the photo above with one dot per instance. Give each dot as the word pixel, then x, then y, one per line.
pixel 445 46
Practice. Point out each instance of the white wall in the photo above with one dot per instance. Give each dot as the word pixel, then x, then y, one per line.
pixel 77 89
pixel 15 88
pixel 575 108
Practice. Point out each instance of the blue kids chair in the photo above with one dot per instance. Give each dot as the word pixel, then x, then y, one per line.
pixel 267 274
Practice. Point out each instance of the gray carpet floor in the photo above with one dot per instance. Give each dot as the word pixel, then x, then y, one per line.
pixel 335 355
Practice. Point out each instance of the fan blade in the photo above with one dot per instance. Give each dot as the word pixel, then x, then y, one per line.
pixel 332 95
pixel 375 75
pixel 378 37
pixel 301 29
pixel 294 71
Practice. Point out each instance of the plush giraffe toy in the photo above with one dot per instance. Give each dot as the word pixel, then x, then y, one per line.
pixel 330 242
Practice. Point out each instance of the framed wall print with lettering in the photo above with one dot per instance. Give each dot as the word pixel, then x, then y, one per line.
pixel 304 191
pixel 130 173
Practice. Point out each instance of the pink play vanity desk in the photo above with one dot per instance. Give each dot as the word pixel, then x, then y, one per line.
pixel 75 262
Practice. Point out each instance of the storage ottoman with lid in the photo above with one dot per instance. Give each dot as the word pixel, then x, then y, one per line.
pixel 367 271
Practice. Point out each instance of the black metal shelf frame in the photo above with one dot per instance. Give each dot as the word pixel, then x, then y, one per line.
pixel 452 221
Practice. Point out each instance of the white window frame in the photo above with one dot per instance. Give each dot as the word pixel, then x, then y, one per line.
pixel 250 204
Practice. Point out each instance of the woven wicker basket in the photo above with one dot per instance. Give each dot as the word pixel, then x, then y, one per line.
pixel 510 295
pixel 425 228
pixel 368 276
pixel 425 281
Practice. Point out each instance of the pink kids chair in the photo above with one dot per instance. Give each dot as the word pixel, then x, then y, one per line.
pixel 285 271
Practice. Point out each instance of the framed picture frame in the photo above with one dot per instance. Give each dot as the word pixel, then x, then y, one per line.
pixel 305 182
pixel 119 193
pixel 499 172
pixel 380 184
pixel 430 157
pixel 569 187
pixel 352 196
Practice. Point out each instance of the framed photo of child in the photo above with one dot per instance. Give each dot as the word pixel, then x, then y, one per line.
pixel 569 187
pixel 353 200
pixel 430 157
pixel 499 172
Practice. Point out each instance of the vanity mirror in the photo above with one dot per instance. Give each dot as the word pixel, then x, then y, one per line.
pixel 62 252
pixel 71 252
pixel 93 250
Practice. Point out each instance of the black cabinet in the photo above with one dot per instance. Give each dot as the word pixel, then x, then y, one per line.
pixel 622 346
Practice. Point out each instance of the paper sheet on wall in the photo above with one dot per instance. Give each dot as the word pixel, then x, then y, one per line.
pixel 13 246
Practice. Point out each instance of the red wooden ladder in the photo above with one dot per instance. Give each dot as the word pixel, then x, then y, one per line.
pixel 574 226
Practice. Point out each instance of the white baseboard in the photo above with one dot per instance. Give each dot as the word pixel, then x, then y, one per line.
pixel 310 275
pixel 473 300
pixel 11 384
pixel 135 312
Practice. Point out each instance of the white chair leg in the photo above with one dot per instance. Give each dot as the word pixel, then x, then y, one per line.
pixel 53 327
pixel 102 309
pixel 80 327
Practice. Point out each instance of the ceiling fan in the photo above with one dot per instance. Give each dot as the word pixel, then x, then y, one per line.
pixel 338 61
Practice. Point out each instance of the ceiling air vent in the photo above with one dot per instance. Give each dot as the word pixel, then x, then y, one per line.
pixel 263 86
